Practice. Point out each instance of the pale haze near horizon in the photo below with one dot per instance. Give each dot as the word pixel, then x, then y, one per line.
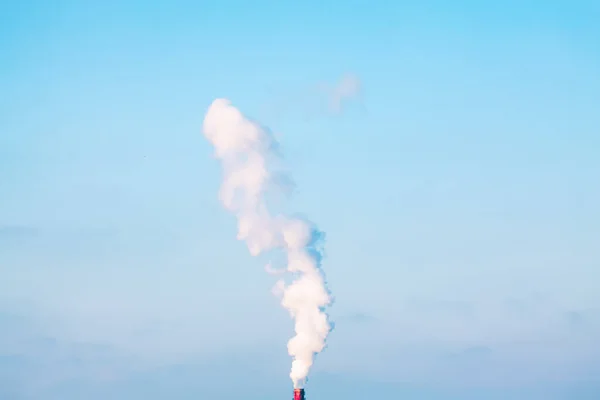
pixel 456 183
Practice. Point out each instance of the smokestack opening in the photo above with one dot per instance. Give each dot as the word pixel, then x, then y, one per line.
pixel 299 394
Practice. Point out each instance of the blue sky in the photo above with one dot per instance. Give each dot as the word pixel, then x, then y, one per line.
pixel 459 196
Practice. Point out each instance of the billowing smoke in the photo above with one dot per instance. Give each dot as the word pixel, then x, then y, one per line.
pixel 248 154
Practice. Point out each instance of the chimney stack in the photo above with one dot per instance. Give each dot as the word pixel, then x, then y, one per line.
pixel 299 394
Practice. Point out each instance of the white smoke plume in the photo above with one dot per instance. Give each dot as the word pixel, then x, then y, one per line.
pixel 248 154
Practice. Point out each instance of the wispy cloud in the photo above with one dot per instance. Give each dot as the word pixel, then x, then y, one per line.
pixel 584 321
pixel 471 353
pixel 26 232
pixel 318 99
pixel 446 307
pixel 348 88
pixel 10 232
pixel 32 360
pixel 356 318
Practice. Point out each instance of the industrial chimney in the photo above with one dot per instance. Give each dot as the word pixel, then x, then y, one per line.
pixel 299 394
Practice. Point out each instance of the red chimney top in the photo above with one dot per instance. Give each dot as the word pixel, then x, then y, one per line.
pixel 299 394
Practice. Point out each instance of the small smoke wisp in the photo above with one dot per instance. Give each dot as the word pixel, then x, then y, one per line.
pixel 249 154
pixel 347 88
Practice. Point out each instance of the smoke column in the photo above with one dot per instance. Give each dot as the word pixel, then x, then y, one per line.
pixel 248 154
